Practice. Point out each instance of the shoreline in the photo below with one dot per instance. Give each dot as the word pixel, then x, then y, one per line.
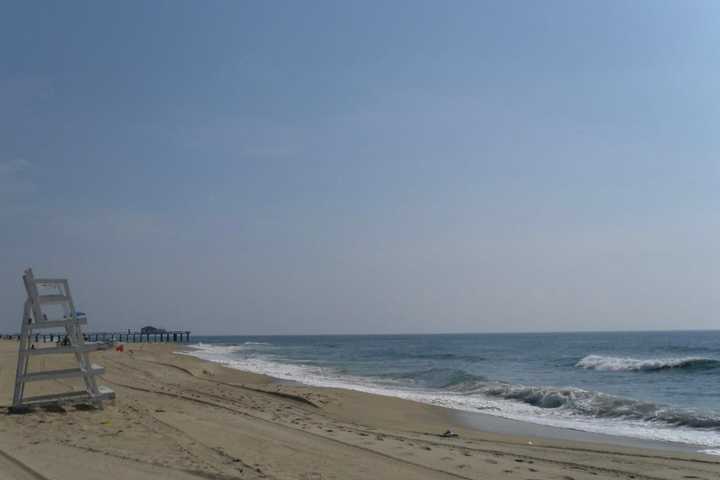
pixel 489 423
pixel 509 426
pixel 176 416
pixel 496 424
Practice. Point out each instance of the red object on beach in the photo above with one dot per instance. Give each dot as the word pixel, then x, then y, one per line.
pixel 120 348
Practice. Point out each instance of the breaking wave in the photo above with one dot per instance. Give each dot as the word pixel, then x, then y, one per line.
pixel 625 364
pixel 441 378
pixel 600 405
pixel 217 349
pixel 567 407
pixel 571 400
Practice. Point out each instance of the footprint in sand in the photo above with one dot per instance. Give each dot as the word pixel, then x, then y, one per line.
pixel 311 476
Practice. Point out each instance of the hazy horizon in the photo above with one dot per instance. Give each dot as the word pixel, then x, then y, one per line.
pixel 299 168
pixel 400 334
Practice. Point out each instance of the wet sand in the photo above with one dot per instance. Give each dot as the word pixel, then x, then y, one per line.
pixel 492 423
pixel 179 417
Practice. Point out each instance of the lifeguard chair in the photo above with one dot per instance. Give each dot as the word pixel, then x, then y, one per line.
pixel 44 296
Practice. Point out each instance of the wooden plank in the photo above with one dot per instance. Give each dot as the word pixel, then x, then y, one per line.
pixel 65 373
pixel 104 393
pixel 58 323
pixel 50 299
pixel 88 347
pixel 48 281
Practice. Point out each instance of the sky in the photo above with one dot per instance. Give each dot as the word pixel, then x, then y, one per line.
pixel 320 167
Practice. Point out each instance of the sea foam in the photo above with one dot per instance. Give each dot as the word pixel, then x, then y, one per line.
pixel 564 407
pixel 626 364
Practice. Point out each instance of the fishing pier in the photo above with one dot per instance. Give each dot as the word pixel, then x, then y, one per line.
pixel 175 336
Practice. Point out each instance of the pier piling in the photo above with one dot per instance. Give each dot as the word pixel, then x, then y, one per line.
pixel 171 336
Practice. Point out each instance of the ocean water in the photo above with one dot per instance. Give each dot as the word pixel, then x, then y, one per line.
pixel 649 385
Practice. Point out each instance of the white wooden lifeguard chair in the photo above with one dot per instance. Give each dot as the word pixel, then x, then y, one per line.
pixel 42 295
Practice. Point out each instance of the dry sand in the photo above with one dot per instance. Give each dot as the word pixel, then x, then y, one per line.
pixel 177 417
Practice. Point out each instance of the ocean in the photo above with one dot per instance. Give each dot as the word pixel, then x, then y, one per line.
pixel 662 386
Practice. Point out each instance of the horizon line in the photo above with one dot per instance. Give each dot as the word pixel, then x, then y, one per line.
pixel 451 333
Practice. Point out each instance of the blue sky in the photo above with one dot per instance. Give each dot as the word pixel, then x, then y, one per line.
pixel 364 167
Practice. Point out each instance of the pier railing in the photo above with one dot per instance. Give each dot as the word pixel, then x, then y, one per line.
pixel 176 336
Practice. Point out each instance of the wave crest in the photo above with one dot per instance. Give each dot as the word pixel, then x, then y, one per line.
pixel 216 349
pixel 601 405
pixel 442 378
pixel 626 364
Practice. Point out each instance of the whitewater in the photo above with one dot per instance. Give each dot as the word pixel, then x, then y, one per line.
pixel 514 377
pixel 617 364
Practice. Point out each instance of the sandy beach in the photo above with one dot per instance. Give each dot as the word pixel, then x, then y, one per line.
pixel 178 417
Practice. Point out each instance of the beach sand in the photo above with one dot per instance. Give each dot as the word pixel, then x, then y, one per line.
pixel 178 417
